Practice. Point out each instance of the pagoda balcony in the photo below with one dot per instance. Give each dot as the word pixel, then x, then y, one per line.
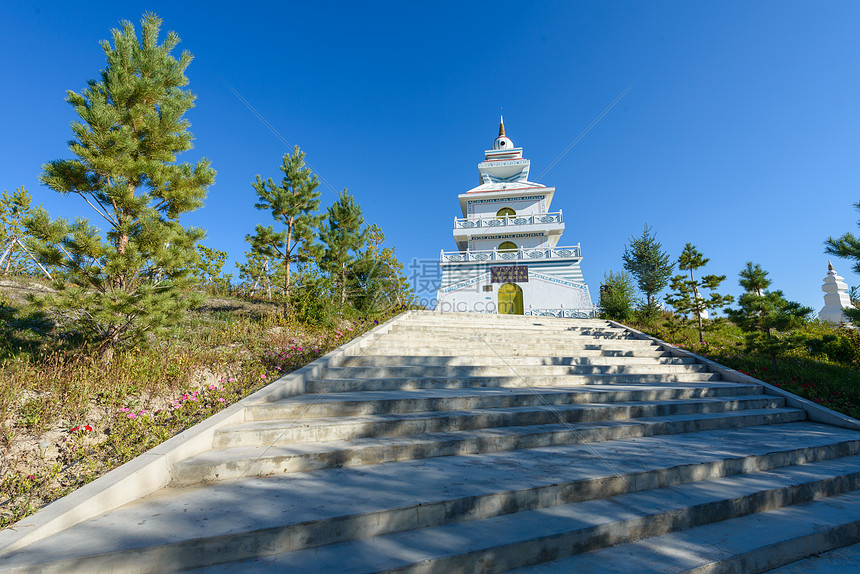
pixel 521 254
pixel 493 221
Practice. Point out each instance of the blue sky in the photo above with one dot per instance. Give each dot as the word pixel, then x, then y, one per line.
pixel 739 135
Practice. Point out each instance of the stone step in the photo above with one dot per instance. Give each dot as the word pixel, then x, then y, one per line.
pixel 327 391
pixel 285 431
pixel 658 358
pixel 367 402
pixel 736 524
pixel 519 331
pixel 843 559
pixel 548 323
pixel 408 371
pixel 512 338
pixel 227 521
pixel 489 318
pixel 524 341
pixel 776 540
pixel 482 350
pixel 497 381
pixel 232 461
pixel 465 443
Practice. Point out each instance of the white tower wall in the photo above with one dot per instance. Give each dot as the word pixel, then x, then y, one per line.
pixel 539 276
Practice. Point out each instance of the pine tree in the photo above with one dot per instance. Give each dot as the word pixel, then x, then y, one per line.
pixel 687 298
pixel 134 281
pixel 649 264
pixel 376 277
pixel 208 269
pixel 259 269
pixel 848 247
pixel 761 313
pixel 15 208
pixel 342 236
pixel 294 203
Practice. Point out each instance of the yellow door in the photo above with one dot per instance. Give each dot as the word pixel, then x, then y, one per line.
pixel 510 299
pixel 507 246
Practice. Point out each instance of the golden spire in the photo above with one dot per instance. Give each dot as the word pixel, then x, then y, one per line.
pixel 829 266
pixel 501 123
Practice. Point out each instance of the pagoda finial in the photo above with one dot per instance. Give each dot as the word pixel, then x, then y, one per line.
pixel 501 123
pixel 829 266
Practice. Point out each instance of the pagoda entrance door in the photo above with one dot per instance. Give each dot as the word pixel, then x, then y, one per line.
pixel 510 299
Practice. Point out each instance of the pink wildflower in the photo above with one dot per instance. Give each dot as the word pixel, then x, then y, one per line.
pixel 124 409
pixel 212 387
pixel 131 415
pixel 220 399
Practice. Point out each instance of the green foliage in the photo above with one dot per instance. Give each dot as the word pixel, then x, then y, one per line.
pixel 14 210
pixel 348 274
pixel 294 204
pixel 342 237
pixel 32 413
pixel 133 282
pixel 208 269
pixel 687 299
pixel 616 296
pixel 650 265
pixel 377 282
pixel 311 302
pixel 848 247
pixel 841 346
pixel 114 411
pixel 259 272
pixel 854 296
pixel 766 316
pixel 823 369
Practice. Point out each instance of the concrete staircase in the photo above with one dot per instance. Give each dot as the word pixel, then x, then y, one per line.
pixel 461 443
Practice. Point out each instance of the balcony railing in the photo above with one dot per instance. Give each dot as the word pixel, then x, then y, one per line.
pixel 581 313
pixel 494 221
pixel 521 254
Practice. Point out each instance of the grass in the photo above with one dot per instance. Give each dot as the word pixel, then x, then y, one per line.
pixel 67 417
pixel 821 365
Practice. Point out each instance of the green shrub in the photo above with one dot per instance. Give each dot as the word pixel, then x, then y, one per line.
pixel 616 296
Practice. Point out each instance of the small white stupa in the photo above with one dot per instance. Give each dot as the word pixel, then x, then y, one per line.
pixel 835 297
pixel 704 313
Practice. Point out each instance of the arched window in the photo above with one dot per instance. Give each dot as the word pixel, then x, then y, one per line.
pixel 506 212
pixel 507 246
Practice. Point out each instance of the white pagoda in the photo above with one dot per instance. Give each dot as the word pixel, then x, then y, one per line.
pixel 835 297
pixel 508 258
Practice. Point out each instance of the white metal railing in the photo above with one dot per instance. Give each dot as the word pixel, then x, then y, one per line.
pixel 576 313
pixel 506 221
pixel 521 254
